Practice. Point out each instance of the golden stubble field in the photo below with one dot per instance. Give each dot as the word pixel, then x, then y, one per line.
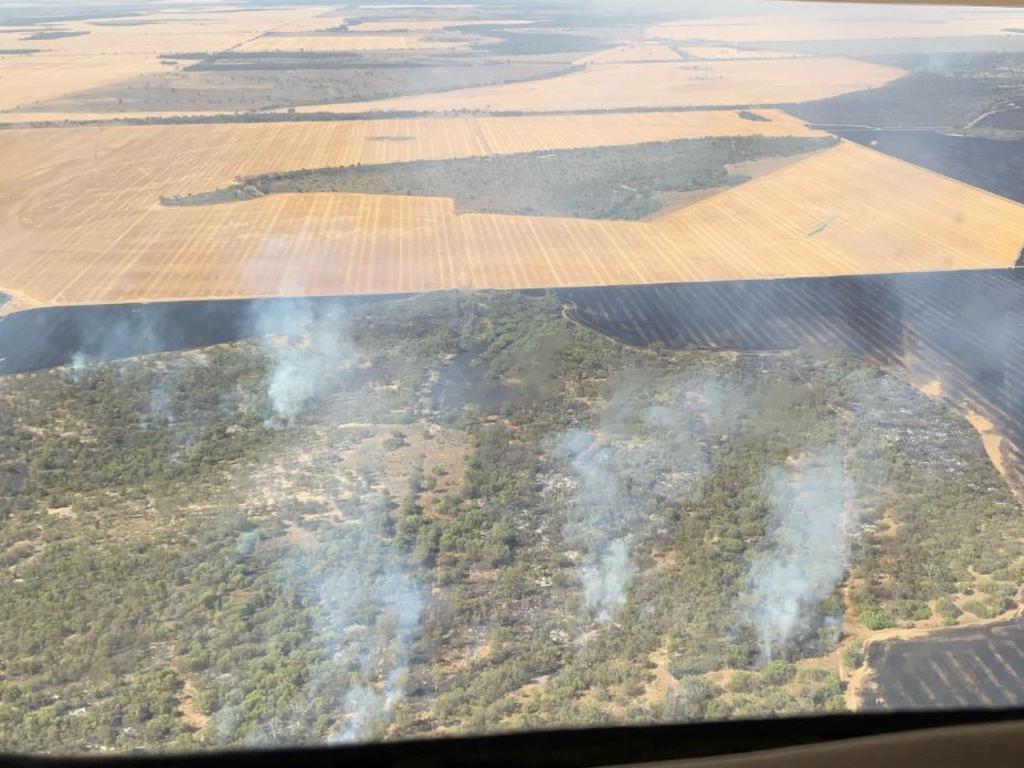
pixel 108 53
pixel 432 25
pixel 81 221
pixel 625 85
pixel 731 54
pixel 384 41
pixel 845 23
pixel 635 53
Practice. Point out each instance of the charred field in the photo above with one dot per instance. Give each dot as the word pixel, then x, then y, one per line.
pixel 962 667
pixel 36 339
pixel 960 328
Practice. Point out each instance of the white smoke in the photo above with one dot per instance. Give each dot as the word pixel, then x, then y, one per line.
pixel 315 348
pixel 808 549
pixel 316 343
pixel 132 332
pixel 78 366
pixel 370 705
pixel 598 521
pixel 605 579
pixel 368 607
pixel 650 440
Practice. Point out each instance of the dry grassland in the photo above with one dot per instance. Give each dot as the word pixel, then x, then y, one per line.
pixel 88 227
pixel 793 28
pixel 669 84
pixel 109 54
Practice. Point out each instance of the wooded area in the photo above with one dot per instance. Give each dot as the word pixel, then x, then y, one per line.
pixel 462 512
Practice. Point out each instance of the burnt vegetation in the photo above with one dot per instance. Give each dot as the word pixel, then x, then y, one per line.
pixel 533 43
pixel 941 91
pixel 54 34
pixel 995 165
pixel 963 667
pixel 963 326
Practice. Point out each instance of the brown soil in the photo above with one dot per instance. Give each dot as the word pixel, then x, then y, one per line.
pixel 991 439
pixel 664 683
pixel 193 716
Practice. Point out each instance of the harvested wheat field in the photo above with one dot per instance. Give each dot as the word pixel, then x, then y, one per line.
pixel 847 25
pixel 26 79
pixel 182 159
pixel 86 193
pixel 732 54
pixel 91 228
pixel 431 25
pixel 847 210
pixel 659 84
pixel 347 42
pixel 95 55
pixel 637 53
pixel 851 210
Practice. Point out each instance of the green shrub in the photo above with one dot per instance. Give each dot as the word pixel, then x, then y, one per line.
pixel 875 619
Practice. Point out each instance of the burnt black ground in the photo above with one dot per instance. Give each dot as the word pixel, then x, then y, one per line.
pixel 1010 119
pixel 968 325
pixel 44 338
pixel 959 667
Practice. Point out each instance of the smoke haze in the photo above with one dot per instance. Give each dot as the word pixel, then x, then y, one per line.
pixel 650 441
pixel 807 552
pixel 309 360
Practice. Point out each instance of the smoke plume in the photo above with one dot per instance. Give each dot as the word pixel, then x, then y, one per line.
pixel 314 351
pixel 367 706
pixel 807 553
pixel 650 442
pixel 369 612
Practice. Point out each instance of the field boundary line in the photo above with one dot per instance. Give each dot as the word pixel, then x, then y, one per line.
pixel 936 173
